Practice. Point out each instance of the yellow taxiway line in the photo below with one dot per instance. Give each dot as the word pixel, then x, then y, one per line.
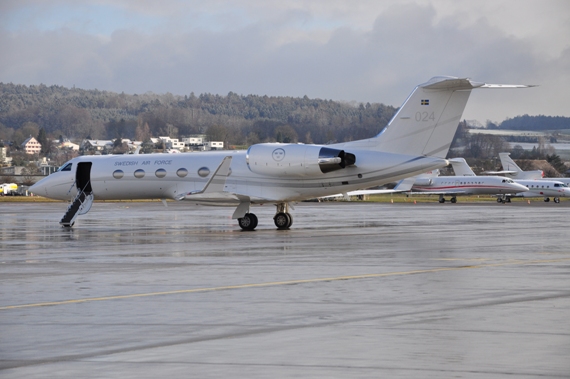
pixel 282 283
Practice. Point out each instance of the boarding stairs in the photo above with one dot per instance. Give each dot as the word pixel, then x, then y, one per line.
pixel 80 205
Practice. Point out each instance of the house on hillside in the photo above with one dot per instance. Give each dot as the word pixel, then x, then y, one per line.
pixel 172 143
pixel 68 145
pixel 31 146
pixel 97 145
pixel 214 145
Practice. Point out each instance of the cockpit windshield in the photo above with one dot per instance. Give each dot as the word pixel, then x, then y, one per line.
pixel 65 167
pixel 560 185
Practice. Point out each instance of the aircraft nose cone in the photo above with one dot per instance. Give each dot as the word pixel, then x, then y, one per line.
pixel 38 189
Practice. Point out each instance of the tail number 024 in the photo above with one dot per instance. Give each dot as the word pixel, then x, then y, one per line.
pixel 425 116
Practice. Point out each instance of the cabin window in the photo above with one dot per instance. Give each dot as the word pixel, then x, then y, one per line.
pixel 118 174
pixel 139 174
pixel 67 167
pixel 160 173
pixel 182 172
pixel 204 171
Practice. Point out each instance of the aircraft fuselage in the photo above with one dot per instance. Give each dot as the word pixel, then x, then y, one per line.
pixel 176 176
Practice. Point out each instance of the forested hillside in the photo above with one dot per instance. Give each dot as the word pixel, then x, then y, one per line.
pixel 536 123
pixel 236 119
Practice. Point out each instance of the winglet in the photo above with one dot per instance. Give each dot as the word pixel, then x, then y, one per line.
pixel 405 185
pixel 217 181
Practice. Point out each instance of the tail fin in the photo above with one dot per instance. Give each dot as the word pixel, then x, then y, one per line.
pixel 460 167
pixel 427 121
pixel 508 164
pixel 511 169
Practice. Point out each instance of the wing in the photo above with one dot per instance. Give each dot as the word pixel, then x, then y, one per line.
pixel 403 185
pixel 454 192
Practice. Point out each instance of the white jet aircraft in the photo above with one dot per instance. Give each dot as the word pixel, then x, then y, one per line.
pixel 464 182
pixel 536 188
pixel 543 188
pixel 512 170
pixel 416 140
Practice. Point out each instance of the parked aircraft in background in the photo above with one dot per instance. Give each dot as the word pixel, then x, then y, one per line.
pixel 543 188
pixel 514 171
pixel 536 187
pixel 463 183
pixel 416 140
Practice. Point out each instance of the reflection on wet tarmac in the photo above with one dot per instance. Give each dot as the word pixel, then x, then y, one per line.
pixel 392 290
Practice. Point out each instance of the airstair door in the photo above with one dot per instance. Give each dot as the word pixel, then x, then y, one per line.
pixel 83 177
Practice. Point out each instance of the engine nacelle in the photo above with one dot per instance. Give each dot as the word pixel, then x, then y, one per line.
pixel 422 182
pixel 296 160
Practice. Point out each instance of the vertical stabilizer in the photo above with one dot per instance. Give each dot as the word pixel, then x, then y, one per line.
pixel 512 170
pixel 427 121
pixel 508 163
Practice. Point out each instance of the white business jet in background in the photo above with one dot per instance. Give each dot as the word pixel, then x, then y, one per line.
pixel 536 187
pixel 464 183
pixel 512 170
pixel 416 140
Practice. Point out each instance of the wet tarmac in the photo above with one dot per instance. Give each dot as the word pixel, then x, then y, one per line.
pixel 353 290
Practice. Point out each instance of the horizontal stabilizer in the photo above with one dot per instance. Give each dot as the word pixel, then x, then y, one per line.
pixel 460 167
pixel 458 84
pixel 499 172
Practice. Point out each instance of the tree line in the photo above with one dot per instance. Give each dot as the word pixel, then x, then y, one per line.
pixel 235 119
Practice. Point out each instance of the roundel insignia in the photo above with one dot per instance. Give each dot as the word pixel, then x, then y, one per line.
pixel 278 154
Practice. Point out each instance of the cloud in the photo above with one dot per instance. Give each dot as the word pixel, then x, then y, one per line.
pixel 363 50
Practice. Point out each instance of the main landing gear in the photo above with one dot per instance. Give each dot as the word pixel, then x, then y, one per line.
pixel 248 221
pixel 556 200
pixel 442 199
pixel 282 219
pixel 503 199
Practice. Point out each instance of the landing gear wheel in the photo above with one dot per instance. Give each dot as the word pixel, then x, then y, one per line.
pixel 508 200
pixel 290 220
pixel 441 200
pixel 546 199
pixel 557 200
pixel 283 220
pixel 248 222
pixel 453 200
pixel 499 200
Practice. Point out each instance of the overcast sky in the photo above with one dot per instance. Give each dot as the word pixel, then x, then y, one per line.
pixel 353 50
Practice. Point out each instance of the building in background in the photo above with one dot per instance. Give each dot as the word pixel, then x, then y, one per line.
pixel 31 146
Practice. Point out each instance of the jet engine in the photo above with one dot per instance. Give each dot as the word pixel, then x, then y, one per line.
pixel 423 182
pixel 296 160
